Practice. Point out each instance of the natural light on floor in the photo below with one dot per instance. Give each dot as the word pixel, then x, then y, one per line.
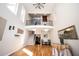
pixel 28 52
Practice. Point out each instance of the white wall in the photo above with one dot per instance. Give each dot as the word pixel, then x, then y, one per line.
pixel 30 40
pixel 9 42
pixel 74 46
pixel 66 15
pixel 26 40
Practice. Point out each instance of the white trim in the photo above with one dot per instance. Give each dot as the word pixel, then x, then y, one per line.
pixel 14 51
pixel 38 26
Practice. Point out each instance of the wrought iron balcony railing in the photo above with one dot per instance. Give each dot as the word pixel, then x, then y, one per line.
pixel 30 22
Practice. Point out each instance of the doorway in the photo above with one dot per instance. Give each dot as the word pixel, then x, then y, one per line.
pixel 37 38
pixel 44 18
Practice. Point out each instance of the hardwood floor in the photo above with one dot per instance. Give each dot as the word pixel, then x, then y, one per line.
pixel 36 50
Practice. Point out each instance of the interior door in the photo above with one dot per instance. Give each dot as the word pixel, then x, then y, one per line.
pixel 44 18
pixel 37 39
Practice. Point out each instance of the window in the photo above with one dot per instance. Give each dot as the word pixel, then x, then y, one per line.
pixel 13 7
pixel 23 14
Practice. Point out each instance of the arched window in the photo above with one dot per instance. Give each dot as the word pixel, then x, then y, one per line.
pixel 13 7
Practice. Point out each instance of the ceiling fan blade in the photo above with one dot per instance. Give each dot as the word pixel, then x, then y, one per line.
pixel 36 7
pixel 43 3
pixel 39 5
pixel 35 4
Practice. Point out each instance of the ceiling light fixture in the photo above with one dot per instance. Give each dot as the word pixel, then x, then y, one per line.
pixel 39 5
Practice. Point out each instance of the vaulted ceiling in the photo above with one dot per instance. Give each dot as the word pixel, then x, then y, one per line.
pixel 48 8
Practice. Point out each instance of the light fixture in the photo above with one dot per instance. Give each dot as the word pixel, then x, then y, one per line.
pixel 46 30
pixel 39 5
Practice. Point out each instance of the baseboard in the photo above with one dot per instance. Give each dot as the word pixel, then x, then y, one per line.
pixel 15 50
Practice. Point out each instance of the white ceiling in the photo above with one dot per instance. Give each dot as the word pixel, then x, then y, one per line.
pixel 48 8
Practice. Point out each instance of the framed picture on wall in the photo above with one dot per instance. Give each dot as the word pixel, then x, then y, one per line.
pixel 68 33
pixel 20 31
pixel 2 26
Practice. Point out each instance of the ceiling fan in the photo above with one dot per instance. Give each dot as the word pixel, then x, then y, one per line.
pixel 39 5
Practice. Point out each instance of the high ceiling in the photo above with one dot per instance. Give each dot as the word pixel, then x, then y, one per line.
pixel 48 8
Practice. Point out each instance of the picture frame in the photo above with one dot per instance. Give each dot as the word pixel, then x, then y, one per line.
pixel 68 33
pixel 3 23
pixel 20 31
